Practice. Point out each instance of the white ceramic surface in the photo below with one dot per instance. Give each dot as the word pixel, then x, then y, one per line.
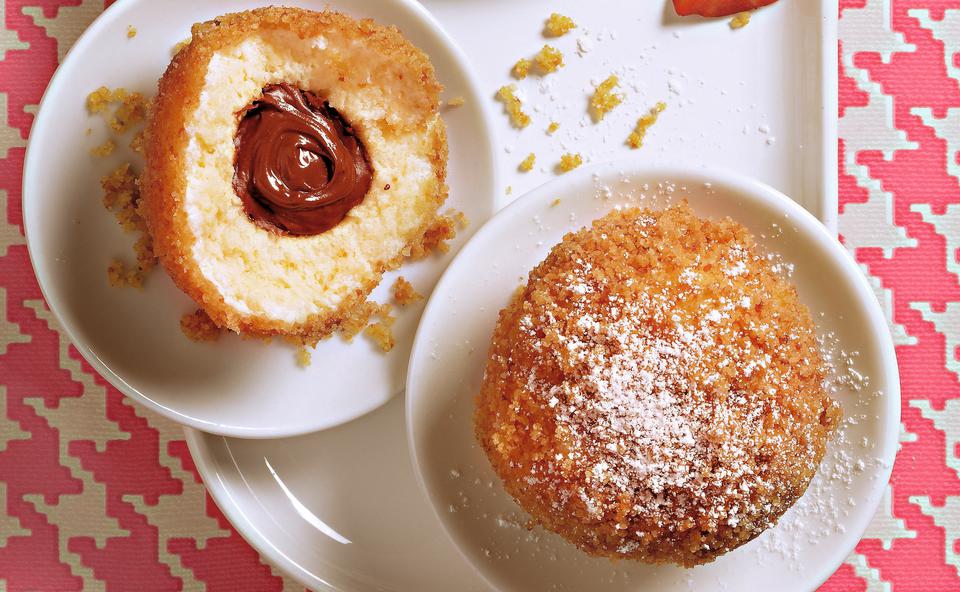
pixel 132 338
pixel 761 100
pixel 449 356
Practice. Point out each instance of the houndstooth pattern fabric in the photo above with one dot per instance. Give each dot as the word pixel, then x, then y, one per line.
pixel 98 494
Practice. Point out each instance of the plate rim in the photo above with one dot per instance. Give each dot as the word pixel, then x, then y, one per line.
pixel 30 181
pixel 878 325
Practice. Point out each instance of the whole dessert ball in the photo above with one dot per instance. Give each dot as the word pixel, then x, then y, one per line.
pixel 655 391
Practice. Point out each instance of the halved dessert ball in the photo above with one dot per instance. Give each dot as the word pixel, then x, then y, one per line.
pixel 292 157
pixel 655 391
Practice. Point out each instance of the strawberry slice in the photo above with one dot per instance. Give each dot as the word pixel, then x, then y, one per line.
pixel 717 7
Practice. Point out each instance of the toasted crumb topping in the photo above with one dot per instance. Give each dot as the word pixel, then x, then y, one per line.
pixel 548 59
pixel 740 20
pixel 605 98
pixel 176 48
pixel 514 107
pixel 554 126
pixel 105 149
pixel 635 139
pixel 558 25
pixel 199 327
pixel 404 293
pixel 655 391
pixel 527 165
pixel 521 68
pixel 568 162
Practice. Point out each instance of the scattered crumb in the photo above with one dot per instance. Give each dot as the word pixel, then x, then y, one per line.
pixel 88 132
pixel 404 293
pixel 356 319
pixel 604 98
pixel 132 108
pixel 136 144
pixel 121 276
pixel 509 189
pixel 99 100
pixel 521 68
pixel 555 203
pixel 548 59
pixel 740 20
pixel 558 25
pixel 568 162
pixel 380 332
pixel 635 139
pixel 303 356
pixel 527 165
pixel 131 32
pixel 456 102
pixel 514 107
pixel 105 149
pixel 554 126
pixel 199 327
pixel 121 195
pixel 436 236
pixel 176 48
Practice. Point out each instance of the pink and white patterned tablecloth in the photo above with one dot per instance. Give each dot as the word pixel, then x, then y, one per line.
pixel 98 494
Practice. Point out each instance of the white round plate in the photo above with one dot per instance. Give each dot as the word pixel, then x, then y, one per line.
pixel 336 510
pixel 133 338
pixel 449 356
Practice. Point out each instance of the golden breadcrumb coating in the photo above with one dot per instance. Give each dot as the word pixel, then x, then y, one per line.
pixel 605 98
pixel 655 391
pixel 635 139
pixel 568 162
pixel 527 164
pixel 521 68
pixel 404 292
pixel 513 106
pixel 548 59
pixel 165 178
pixel 740 20
pixel 558 25
pixel 198 327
